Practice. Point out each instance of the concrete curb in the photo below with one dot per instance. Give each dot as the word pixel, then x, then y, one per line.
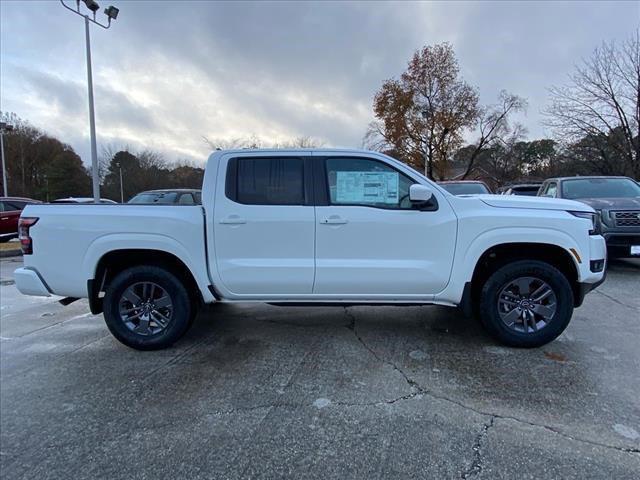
pixel 10 253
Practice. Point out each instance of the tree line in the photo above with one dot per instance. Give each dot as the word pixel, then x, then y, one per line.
pixel 425 118
pixel 42 167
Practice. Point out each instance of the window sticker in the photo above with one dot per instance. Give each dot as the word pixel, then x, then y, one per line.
pixel 367 187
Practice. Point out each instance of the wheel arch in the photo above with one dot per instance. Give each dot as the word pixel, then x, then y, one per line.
pixel 115 261
pixel 501 254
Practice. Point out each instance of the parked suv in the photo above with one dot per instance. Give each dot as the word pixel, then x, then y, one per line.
pixel 10 209
pixel 615 199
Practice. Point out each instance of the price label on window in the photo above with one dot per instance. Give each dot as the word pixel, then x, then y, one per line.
pixel 367 187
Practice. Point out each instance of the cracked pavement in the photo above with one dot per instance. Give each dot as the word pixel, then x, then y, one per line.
pixel 256 391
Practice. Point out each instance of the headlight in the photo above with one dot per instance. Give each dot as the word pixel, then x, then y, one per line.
pixel 589 216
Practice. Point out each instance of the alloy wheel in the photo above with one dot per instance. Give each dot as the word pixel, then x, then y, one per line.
pixel 146 308
pixel 527 304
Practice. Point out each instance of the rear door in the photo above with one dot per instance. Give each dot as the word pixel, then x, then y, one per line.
pixel 371 241
pixel 264 225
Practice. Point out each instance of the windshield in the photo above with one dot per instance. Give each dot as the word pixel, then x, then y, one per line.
pixel 600 188
pixel 526 191
pixel 465 188
pixel 155 197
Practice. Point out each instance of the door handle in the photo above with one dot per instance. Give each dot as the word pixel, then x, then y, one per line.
pixel 334 220
pixel 233 220
pixel 4 218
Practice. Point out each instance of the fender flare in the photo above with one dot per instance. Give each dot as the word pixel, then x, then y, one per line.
pixel 502 235
pixel 147 241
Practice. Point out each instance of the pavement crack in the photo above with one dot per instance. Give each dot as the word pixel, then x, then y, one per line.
pixel 52 325
pixel 530 424
pixel 352 326
pixel 614 299
pixel 476 465
pixel 417 389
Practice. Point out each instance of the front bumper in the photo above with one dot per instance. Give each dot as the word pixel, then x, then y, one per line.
pixel 584 288
pixel 594 271
pixel 29 282
pixel 620 243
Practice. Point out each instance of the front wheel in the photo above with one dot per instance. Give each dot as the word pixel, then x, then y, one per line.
pixel 526 303
pixel 147 308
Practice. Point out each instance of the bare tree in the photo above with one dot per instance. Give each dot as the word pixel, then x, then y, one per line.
pixel 601 102
pixel 421 116
pixel 299 142
pixel 253 141
pixel 494 127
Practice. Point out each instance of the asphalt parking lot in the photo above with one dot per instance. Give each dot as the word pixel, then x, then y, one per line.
pixel 256 391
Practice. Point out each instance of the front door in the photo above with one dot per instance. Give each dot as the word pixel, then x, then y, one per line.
pixel 371 241
pixel 264 226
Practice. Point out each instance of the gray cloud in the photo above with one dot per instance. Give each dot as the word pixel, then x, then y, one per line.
pixel 168 73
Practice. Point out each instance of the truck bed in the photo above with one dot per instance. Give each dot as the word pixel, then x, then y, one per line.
pixel 69 240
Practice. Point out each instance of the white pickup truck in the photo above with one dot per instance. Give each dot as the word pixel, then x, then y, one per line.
pixel 314 227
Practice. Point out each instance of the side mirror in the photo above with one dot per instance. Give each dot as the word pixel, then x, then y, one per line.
pixel 419 193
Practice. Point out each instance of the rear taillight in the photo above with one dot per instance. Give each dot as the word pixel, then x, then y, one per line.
pixel 26 242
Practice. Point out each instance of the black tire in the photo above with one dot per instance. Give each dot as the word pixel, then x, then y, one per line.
pixel 489 310
pixel 181 308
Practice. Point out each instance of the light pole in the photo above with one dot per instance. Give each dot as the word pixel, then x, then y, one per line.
pixel 112 13
pixel 4 127
pixel 121 185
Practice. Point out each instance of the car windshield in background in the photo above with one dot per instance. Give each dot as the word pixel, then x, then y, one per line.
pixel 155 197
pixel 465 188
pixel 600 188
pixel 527 191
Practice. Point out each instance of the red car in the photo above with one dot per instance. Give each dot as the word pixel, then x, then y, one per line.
pixel 10 210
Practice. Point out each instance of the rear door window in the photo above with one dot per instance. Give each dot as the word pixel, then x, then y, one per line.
pixel 267 181
pixel 14 205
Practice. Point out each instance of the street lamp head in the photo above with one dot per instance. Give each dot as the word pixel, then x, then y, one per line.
pixel 92 5
pixel 111 12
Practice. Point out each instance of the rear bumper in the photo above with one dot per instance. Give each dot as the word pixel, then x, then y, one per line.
pixel 29 282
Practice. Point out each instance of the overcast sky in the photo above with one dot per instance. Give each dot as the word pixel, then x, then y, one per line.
pixel 168 73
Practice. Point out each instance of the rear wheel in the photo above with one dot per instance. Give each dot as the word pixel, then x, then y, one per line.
pixel 147 308
pixel 526 303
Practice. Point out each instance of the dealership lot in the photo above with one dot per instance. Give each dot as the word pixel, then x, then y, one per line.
pixel 268 392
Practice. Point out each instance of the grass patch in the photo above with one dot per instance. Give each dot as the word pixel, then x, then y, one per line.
pixel 11 245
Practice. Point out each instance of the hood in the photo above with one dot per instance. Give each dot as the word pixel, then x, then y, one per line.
pixel 539 203
pixel 630 203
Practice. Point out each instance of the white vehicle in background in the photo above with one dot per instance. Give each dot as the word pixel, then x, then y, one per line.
pixel 315 227
pixel 81 200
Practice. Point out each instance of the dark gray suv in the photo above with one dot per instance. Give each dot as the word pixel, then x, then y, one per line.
pixel 617 201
